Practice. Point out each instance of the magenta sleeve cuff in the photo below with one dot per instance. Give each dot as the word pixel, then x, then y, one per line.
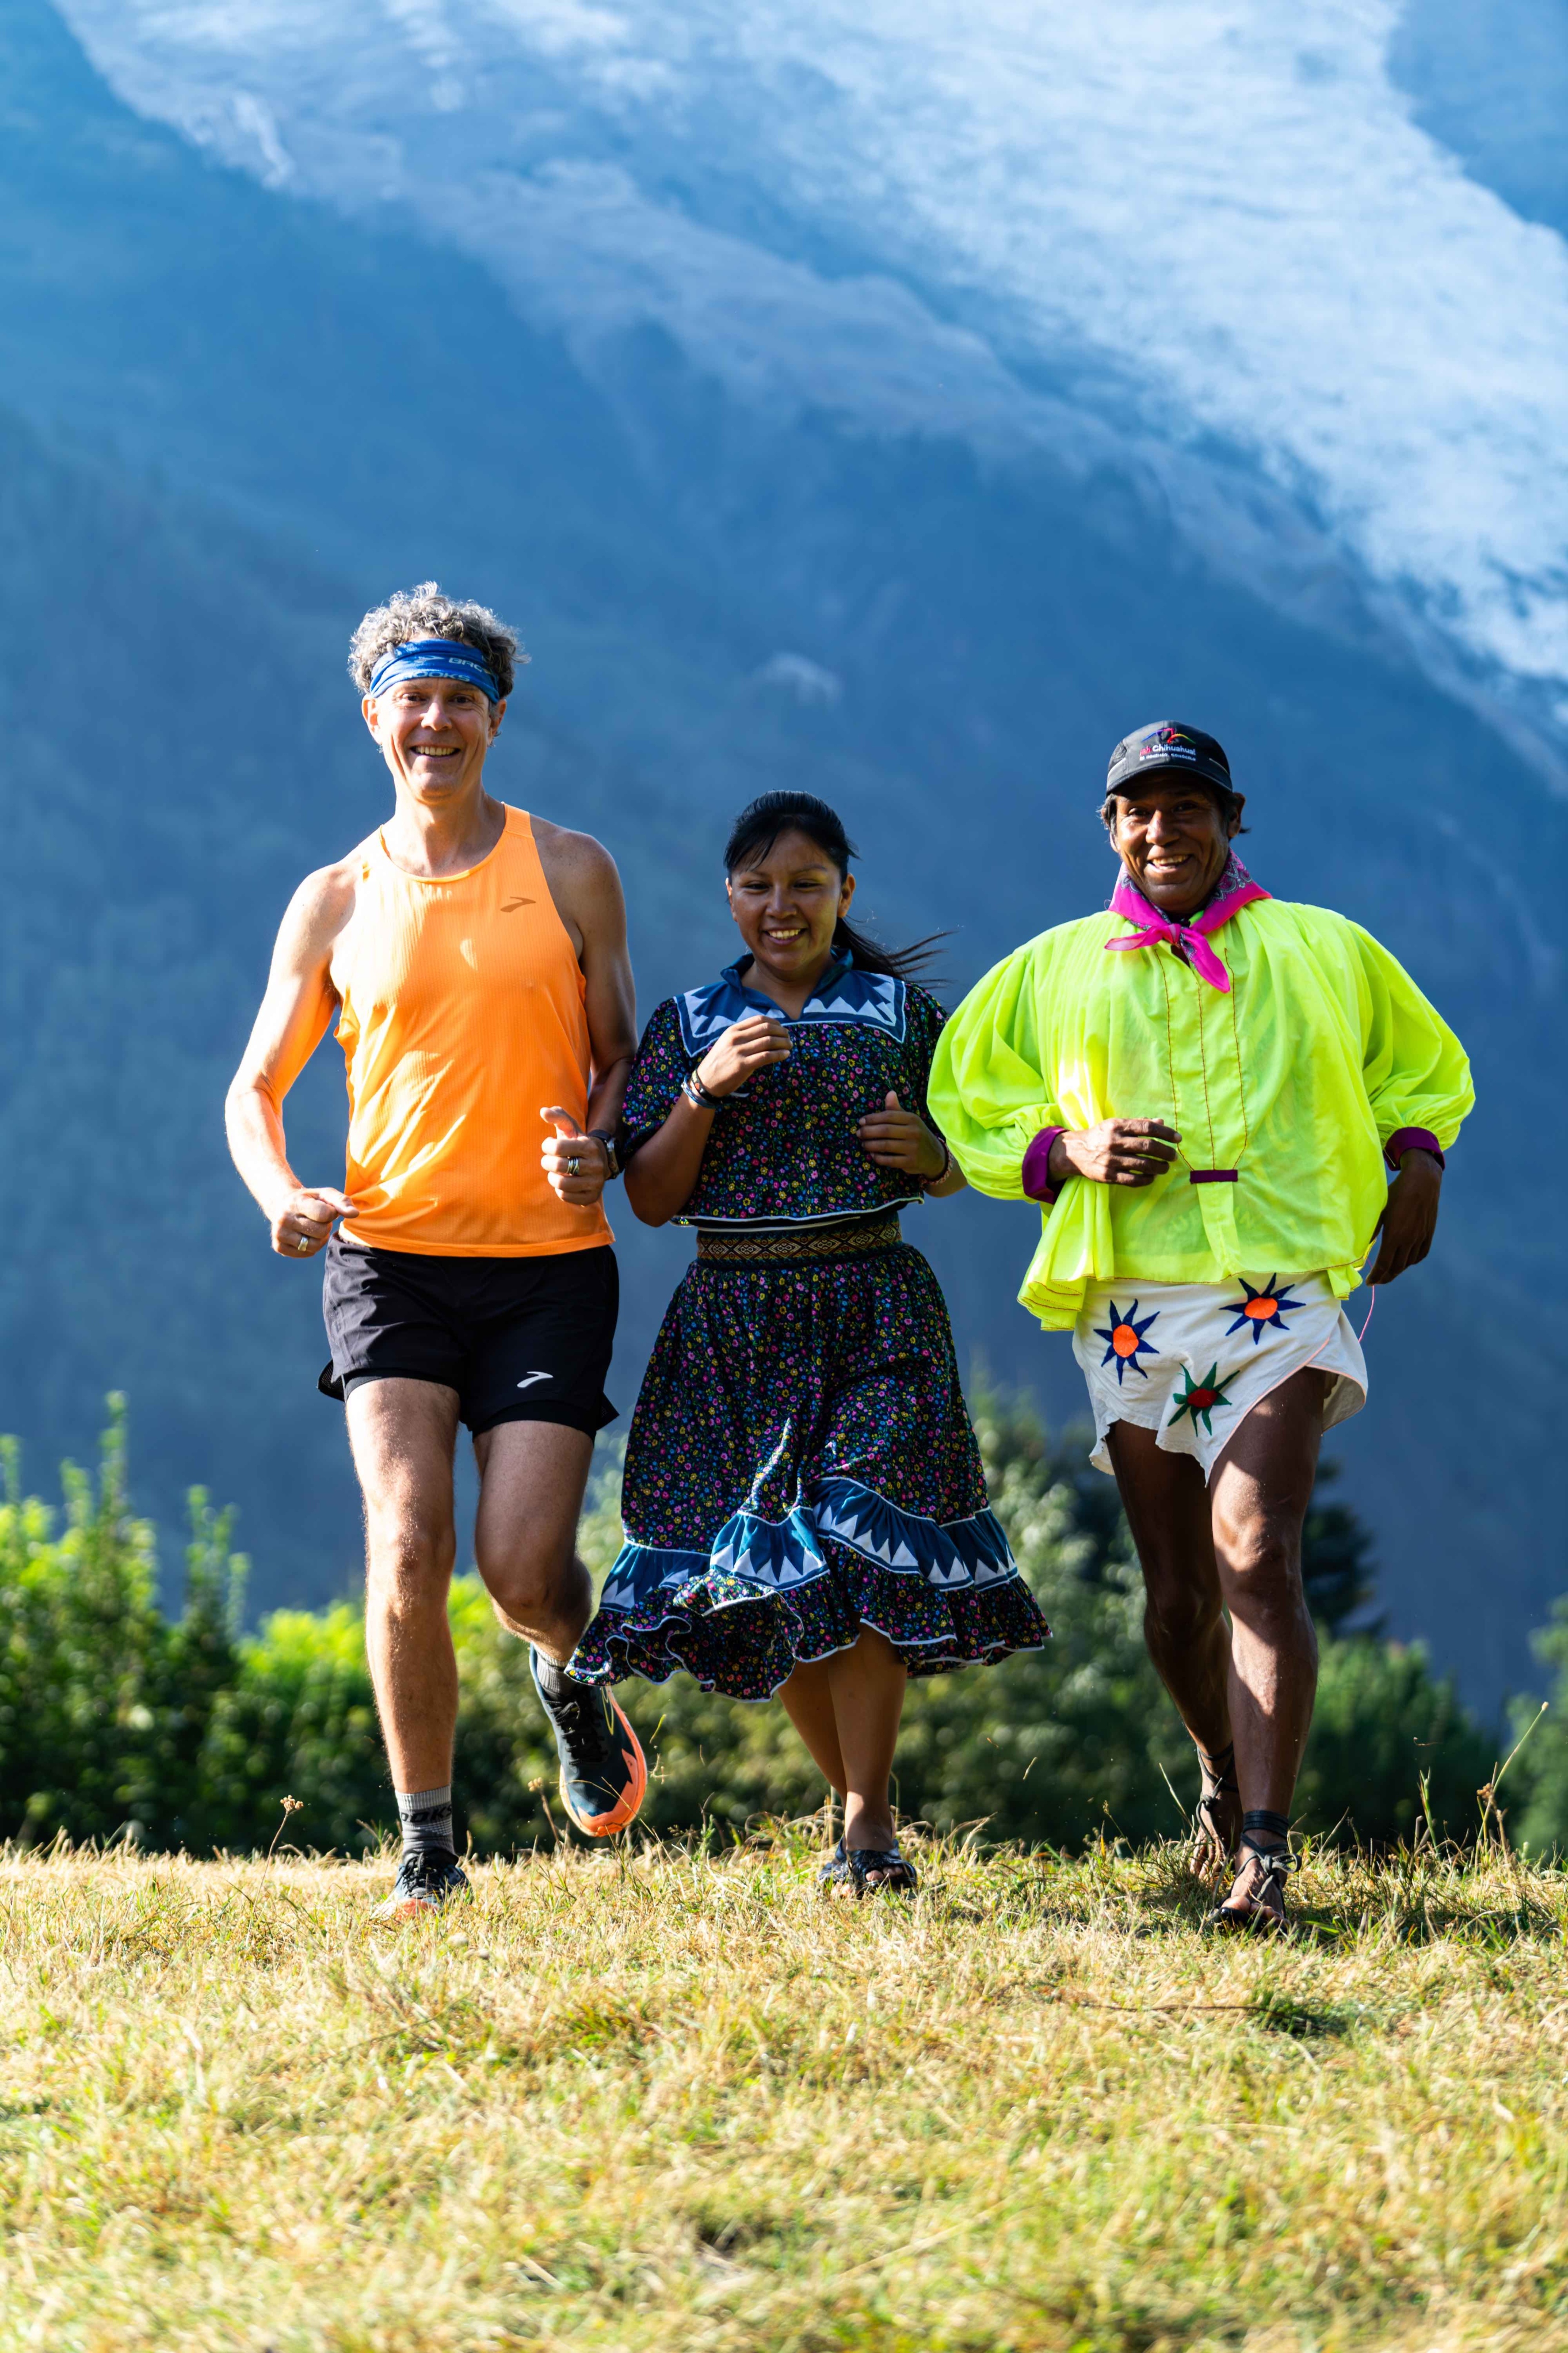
pixel 1037 1182
pixel 1403 1139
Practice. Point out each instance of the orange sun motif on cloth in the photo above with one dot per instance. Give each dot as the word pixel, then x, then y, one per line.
pixel 1263 1310
pixel 1125 1339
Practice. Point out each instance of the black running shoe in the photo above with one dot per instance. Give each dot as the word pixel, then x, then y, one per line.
pixel 604 1774
pixel 424 1882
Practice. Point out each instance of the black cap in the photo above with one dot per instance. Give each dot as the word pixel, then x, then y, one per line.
pixel 1167 743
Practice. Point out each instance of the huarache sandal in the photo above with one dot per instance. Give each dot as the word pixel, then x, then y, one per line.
pixel 1261 1909
pixel 1215 1814
pixel 881 1871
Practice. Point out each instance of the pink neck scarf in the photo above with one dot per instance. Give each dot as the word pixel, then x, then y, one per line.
pixel 1235 890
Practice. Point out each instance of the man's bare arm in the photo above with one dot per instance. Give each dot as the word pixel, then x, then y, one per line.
pixel 295 1013
pixel 586 890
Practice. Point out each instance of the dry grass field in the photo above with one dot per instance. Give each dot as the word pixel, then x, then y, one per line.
pixel 665 2099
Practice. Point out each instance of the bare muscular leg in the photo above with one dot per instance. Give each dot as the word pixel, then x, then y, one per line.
pixel 1261 1487
pixel 532 1475
pixel 532 1478
pixel 1240 1545
pixel 402 1434
pixel 1168 1511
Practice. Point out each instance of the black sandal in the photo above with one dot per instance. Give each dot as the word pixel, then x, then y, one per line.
pixel 1275 1862
pixel 836 1872
pixel 1211 1847
pixel 894 1876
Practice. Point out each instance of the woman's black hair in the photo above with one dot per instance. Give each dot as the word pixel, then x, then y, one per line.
pixel 757 828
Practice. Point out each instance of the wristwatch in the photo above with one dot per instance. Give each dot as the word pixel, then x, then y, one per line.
pixel 611 1157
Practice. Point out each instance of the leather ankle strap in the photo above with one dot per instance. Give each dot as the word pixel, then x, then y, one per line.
pixel 1268 1825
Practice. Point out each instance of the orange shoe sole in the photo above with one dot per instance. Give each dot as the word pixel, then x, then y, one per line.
pixel 627 1808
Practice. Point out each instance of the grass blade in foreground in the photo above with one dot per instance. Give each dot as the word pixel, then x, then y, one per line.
pixel 677 2099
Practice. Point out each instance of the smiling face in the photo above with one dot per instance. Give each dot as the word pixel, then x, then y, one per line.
pixel 433 733
pixel 1174 841
pixel 786 903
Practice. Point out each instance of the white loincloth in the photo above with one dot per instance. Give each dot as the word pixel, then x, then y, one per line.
pixel 1187 1360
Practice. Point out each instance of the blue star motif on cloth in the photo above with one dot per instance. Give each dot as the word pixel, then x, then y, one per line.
pixel 1263 1310
pixel 1123 1336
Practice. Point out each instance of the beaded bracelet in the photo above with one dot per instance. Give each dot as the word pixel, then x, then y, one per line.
pixel 928 1182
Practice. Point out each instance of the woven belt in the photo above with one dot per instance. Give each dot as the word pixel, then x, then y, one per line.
pixel 773 1249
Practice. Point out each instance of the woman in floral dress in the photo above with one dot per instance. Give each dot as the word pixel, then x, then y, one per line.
pixel 805 1510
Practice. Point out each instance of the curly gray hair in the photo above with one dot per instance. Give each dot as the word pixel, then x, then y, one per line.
pixel 424 612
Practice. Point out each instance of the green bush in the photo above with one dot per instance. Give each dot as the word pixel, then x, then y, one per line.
pixel 81 1650
pixel 116 1721
pixel 1384 1724
pixel 1535 1793
pixel 298 1721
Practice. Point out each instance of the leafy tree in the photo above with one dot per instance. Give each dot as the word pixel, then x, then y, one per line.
pixel 1337 1568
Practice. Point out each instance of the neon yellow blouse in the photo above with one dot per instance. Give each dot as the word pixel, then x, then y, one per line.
pixel 1295 1079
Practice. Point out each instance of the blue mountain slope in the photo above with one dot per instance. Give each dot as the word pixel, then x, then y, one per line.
pixel 716 601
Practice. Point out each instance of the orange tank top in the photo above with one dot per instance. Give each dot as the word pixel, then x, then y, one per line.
pixel 463 1013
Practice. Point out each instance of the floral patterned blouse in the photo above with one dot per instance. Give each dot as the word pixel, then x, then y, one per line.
pixel 782 1150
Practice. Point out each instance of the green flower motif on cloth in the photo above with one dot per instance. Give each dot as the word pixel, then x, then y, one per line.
pixel 1200 1398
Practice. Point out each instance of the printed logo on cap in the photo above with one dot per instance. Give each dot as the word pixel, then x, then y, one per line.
pixel 1169 744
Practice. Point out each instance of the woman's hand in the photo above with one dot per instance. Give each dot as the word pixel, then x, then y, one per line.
pixel 746 1048
pixel 662 1174
pixel 897 1138
pixel 1117 1152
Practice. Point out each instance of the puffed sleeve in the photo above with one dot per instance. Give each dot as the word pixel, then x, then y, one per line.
pixel 989 1093
pixel 657 1076
pixel 1418 1074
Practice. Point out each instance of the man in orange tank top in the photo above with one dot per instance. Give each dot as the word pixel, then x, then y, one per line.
pixel 475 960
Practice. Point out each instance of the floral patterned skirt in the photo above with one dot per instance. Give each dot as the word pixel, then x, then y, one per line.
pixel 800 1466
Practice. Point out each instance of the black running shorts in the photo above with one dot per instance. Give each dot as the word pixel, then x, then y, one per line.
pixel 519 1339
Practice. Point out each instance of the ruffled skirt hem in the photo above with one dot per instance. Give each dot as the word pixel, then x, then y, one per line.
pixel 746 1644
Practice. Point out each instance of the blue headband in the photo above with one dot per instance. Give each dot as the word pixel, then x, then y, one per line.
pixel 434 658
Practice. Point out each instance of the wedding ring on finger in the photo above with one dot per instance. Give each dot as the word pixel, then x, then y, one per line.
pixel 573 1164
pixel 302 1244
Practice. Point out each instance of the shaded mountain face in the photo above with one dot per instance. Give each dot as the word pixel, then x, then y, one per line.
pixel 1208 239
pixel 240 414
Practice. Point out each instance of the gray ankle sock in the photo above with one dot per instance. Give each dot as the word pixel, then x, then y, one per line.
pixel 553 1680
pixel 427 1819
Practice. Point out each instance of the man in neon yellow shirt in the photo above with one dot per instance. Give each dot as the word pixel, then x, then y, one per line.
pixel 1205 1088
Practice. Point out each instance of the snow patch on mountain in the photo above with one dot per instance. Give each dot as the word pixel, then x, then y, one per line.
pixel 1195 238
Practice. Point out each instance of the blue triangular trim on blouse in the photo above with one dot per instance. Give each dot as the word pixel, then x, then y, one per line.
pixel 843 997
